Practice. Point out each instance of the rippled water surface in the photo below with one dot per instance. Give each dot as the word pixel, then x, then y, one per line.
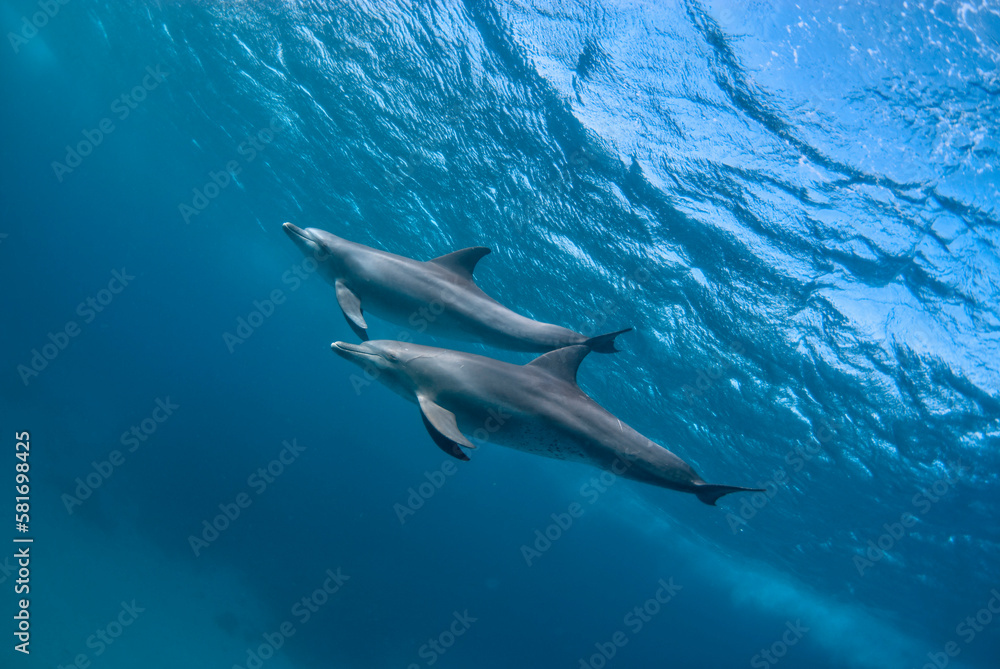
pixel 794 205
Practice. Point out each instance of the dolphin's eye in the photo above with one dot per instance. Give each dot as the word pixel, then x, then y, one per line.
pixel 391 357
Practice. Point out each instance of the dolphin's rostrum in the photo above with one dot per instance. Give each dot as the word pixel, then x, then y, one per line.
pixel 438 296
pixel 537 408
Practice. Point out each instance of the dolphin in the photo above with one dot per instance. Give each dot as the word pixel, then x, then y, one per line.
pixel 537 408
pixel 438 296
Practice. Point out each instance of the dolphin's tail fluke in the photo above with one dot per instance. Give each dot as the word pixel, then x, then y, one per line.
pixel 604 343
pixel 709 493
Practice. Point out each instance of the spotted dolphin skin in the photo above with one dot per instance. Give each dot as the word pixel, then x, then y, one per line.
pixel 438 296
pixel 537 408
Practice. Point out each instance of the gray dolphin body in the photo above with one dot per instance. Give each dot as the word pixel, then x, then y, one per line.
pixel 438 296
pixel 537 408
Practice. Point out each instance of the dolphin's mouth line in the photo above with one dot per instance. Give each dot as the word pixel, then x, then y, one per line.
pixel 351 348
pixel 297 231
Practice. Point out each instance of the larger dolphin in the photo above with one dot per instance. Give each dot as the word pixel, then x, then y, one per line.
pixel 537 408
pixel 439 296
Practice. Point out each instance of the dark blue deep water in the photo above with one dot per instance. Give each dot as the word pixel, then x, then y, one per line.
pixel 795 206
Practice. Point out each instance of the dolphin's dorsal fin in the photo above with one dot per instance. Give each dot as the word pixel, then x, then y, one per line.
pixel 562 363
pixel 443 428
pixel 463 262
pixel 350 304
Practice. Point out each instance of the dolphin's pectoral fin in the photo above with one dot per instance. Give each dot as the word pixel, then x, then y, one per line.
pixel 362 333
pixel 350 304
pixel 463 262
pixel 443 428
pixel 562 363
pixel 444 443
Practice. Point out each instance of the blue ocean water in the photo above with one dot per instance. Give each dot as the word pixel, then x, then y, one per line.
pixel 794 205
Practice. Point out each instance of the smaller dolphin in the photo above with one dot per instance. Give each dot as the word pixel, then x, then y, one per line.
pixel 537 408
pixel 438 296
